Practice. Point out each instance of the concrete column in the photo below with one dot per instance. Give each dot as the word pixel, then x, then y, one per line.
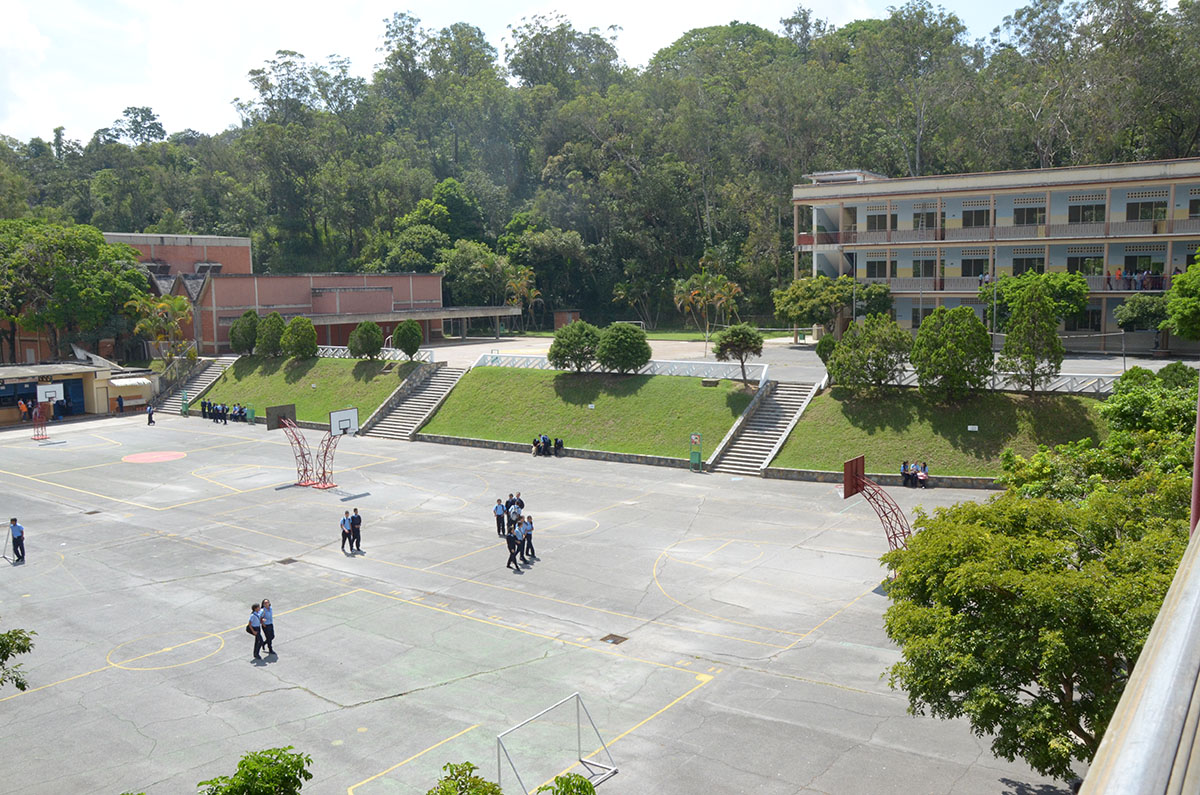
pixel 496 321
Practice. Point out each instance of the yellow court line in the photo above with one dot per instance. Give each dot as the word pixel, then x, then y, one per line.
pixel 832 616
pixel 195 473
pixel 350 790
pixel 715 551
pixel 704 679
pixel 111 666
pixel 77 469
pixel 531 633
pixel 460 557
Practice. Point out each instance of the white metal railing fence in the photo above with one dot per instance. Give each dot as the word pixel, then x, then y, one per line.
pixel 387 354
pixel 694 369
pixel 1069 383
pixel 735 430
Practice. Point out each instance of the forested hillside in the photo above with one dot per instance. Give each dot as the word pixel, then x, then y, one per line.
pixel 553 170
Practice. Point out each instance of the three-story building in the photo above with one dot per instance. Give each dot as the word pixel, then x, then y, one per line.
pixel 1126 227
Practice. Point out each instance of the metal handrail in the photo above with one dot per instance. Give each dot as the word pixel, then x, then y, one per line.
pixel 783 437
pixel 387 354
pixel 735 430
pixel 422 373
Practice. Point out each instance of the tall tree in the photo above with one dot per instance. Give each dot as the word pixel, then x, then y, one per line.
pixel 1032 349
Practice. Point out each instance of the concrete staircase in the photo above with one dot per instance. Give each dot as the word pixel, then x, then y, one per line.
pixel 196 385
pixel 410 413
pixel 747 454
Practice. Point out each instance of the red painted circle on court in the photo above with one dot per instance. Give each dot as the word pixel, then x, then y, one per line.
pixel 156 457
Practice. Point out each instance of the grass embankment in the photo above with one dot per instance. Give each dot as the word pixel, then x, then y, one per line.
pixel 647 414
pixel 259 382
pixel 900 425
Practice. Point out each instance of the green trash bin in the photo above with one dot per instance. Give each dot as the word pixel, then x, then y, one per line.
pixel 696 465
pixel 184 407
pixel 250 416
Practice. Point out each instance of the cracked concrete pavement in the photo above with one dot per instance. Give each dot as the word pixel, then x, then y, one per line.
pixel 755 659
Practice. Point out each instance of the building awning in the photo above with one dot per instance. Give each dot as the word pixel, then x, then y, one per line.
pixel 129 381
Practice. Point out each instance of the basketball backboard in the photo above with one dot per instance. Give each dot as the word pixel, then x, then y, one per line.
pixel 277 413
pixel 343 422
pixel 48 393
pixel 853 472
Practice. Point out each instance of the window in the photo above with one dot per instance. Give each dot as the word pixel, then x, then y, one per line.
pixel 919 314
pixel 1088 320
pixel 1086 266
pixel 879 222
pixel 1085 214
pixel 928 220
pixel 1023 264
pixel 975 267
pixel 1145 211
pixel 977 218
pixel 1194 208
pixel 1029 216
pixel 880 268
pixel 925 267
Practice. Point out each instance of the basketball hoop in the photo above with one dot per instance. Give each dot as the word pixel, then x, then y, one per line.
pixel 895 523
pixel 39 422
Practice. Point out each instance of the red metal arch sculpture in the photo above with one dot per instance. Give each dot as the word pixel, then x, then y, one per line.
pixel 895 523
pixel 325 459
pixel 304 467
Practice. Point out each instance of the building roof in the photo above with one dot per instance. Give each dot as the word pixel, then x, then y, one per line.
pixel 29 372
pixel 142 239
pixel 984 181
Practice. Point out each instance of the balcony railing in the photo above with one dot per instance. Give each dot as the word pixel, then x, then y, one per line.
pixel 1155 282
pixel 976 234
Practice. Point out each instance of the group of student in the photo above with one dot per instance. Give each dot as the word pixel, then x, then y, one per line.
pixel 1136 280
pixel 915 474
pixel 543 446
pixel 219 412
pixel 516 527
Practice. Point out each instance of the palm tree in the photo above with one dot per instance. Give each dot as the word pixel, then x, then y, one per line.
pixel 520 289
pixel 703 291
pixel 161 319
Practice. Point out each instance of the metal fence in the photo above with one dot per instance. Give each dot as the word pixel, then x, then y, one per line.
pixel 1072 383
pixel 390 354
pixel 694 369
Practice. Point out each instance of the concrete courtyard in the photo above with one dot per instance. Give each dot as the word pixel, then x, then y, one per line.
pixel 754 662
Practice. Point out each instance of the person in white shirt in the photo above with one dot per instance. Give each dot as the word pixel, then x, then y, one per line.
pixel 268 626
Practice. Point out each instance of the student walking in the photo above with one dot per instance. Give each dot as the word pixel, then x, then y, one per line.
pixel 519 532
pixel 268 626
pixel 528 525
pixel 149 414
pixel 511 538
pixel 356 532
pixel 346 525
pixel 254 627
pixel 499 511
pixel 18 540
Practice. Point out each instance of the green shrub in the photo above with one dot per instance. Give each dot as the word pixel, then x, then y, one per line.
pixel 574 346
pixel 825 347
pixel 952 354
pixel 570 784
pixel 408 338
pixel 299 339
pixel 740 342
pixel 276 771
pixel 1178 375
pixel 366 341
pixel 870 355
pixel 270 332
pixel 1134 378
pixel 461 780
pixel 244 332
pixel 623 348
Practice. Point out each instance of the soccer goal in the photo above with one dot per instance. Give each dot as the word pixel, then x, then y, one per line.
pixel 546 735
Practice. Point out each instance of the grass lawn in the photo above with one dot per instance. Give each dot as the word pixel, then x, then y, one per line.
pixel 340 383
pixel 146 364
pixel 647 414
pixel 901 425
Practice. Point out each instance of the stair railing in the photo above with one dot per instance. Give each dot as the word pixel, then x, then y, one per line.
pixel 433 409
pixel 177 374
pixel 420 374
pixel 824 382
pixel 765 388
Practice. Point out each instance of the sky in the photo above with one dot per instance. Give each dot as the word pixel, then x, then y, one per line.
pixel 80 63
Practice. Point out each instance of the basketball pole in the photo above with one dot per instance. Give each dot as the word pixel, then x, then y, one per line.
pixel 7 536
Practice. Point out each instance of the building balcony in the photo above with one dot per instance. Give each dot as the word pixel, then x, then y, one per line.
pixel 971 284
pixel 993 234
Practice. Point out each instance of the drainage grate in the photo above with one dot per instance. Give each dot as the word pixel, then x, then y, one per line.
pixel 90 513
pixel 286 561
pixel 613 639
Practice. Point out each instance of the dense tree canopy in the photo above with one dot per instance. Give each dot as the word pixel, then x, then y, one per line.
pixel 611 183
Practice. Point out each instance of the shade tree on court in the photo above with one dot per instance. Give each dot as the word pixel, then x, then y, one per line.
pixel 12 643
pixel 277 771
